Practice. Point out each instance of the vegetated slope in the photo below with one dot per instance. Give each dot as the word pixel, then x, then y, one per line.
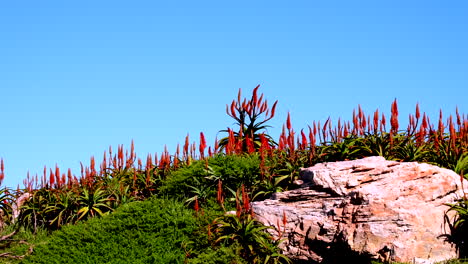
pixel 247 164
pixel 151 231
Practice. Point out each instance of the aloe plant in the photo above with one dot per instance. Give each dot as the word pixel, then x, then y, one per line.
pixel 251 117
pixel 93 203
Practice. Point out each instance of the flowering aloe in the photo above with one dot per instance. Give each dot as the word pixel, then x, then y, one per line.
pixel 251 116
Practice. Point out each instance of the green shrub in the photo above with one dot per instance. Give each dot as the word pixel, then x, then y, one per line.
pixel 219 256
pixel 152 231
pixel 201 177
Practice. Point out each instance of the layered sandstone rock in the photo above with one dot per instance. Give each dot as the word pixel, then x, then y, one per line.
pixel 366 209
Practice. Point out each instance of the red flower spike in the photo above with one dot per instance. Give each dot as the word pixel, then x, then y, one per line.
pixel 227 111
pixel 360 112
pixel 219 194
pixel 424 124
pixel 104 161
pixel 324 129
pixel 92 166
pixel 355 120
pixel 57 175
pixel 202 144
pixel 132 150
pixel 51 178
pixel 196 207
pixel 264 107
pixel 250 146
pixel 233 109
pixel 186 146
pixel 418 114
pixel 260 100
pixel 239 95
pixel 140 164
pixel 412 121
pixel 149 162
pixel 273 109
pixel 304 139
pixel 63 180
pixel 453 135
pixel 70 177
pixel 254 95
pixel 210 152
pixel 216 145
pixel 458 117
pixel 249 109
pixel 281 143
pixel 291 144
pixel 127 159
pixel 288 122
pixel 245 200
pixel 382 123
pixel 376 120
pixel 148 177
pixel 363 124
pixel 441 124
pixel 394 118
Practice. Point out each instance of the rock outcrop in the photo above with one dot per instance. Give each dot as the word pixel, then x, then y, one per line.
pixel 365 209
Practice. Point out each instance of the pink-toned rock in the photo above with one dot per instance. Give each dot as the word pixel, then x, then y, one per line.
pixel 16 208
pixel 369 208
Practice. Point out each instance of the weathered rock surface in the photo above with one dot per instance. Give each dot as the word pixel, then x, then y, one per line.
pixel 369 208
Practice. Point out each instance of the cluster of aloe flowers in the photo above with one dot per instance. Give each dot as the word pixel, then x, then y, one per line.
pixel 58 198
pixel 62 198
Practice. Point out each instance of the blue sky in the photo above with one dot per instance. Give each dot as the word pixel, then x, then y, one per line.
pixel 79 76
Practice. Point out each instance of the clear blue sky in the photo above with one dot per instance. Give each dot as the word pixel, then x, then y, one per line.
pixel 78 76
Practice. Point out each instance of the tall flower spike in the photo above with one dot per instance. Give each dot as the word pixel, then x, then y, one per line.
pixel 216 145
pixel 92 166
pixel 233 109
pixel 2 174
pixel 273 109
pixel 51 178
pixel 288 122
pixel 418 114
pixel 132 151
pixel 376 120
pixel 219 195
pixel 245 200
pixel 382 123
pixel 70 177
pixel 394 118
pixel 254 96
pixel 196 206
pixel 441 123
pixel 202 144
pixel 57 175
pixel 304 140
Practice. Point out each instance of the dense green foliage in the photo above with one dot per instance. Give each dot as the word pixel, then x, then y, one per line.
pixel 190 193
pixel 152 231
